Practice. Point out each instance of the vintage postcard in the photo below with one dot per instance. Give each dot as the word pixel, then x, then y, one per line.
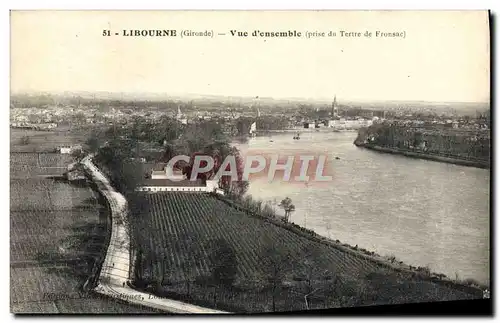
pixel 248 161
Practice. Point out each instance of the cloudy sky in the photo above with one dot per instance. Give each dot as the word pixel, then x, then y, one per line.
pixel 444 56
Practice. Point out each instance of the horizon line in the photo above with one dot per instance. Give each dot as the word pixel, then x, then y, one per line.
pixel 185 94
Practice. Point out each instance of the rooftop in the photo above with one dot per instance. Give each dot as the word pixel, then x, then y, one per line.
pixel 159 166
pixel 168 182
pixel 149 167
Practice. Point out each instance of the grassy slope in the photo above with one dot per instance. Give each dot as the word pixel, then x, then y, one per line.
pixel 181 224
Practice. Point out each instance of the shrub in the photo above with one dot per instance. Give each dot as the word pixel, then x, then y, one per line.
pixel 471 282
pixel 392 258
pixel 25 140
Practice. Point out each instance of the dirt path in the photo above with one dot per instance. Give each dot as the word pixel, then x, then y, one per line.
pixel 115 269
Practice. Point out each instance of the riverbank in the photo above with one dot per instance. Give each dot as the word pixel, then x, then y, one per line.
pixel 428 156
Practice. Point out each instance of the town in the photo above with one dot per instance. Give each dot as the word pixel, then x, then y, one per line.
pixel 51 111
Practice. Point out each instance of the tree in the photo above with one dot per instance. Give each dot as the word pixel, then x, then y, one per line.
pixel 93 142
pixel 25 140
pixel 187 170
pixel 139 231
pixel 79 118
pixel 268 210
pixel 77 154
pixel 288 207
pixel 168 153
pixel 223 265
pixel 166 130
pixel 191 255
pixel 219 150
pixel 118 157
pixel 243 125
pixel 312 273
pixel 164 272
pixel 275 262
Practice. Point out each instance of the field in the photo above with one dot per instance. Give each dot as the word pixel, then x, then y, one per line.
pixel 57 230
pixel 37 291
pixel 37 165
pixel 42 141
pixel 175 233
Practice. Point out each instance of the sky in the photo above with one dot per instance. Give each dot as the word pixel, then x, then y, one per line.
pixel 444 56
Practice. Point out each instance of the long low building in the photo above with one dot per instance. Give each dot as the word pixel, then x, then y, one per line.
pixel 185 185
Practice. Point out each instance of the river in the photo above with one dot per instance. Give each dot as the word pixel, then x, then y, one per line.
pixel 425 213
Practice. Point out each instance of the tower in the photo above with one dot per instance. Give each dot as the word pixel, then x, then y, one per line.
pixel 335 109
pixel 179 113
pixel 180 117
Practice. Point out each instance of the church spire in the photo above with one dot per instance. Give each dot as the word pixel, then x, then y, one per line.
pixel 334 107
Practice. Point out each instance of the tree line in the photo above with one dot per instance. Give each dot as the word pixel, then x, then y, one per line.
pixel 454 143
pixel 119 147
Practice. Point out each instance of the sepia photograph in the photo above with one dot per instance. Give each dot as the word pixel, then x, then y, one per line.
pixel 248 162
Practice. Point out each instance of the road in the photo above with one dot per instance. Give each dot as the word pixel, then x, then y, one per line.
pixel 115 269
pixel 152 301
